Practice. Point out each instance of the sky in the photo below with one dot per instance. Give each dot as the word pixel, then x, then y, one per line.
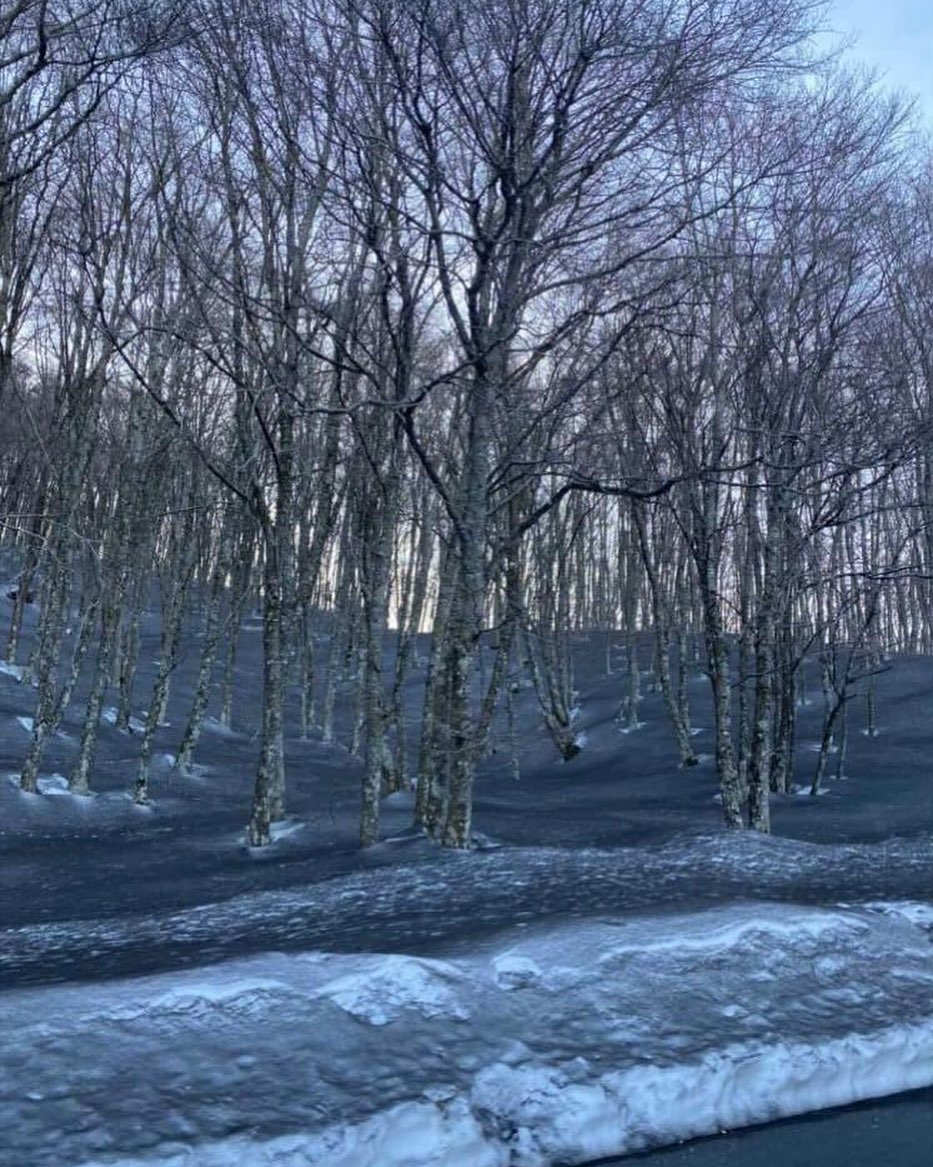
pixel 894 37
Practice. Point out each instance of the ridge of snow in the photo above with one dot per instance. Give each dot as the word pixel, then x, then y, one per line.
pixel 580 1040
pixel 398 983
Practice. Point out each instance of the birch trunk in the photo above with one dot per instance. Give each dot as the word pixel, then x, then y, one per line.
pixel 212 628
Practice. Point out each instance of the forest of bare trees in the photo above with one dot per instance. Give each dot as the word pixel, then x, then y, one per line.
pixel 426 325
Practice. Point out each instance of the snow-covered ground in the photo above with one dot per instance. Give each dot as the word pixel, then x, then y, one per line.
pixel 607 972
pixel 562 1045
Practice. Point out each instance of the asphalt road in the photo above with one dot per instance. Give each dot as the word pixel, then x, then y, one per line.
pixel 891 1132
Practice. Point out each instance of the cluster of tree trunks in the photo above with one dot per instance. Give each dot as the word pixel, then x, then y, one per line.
pixel 493 323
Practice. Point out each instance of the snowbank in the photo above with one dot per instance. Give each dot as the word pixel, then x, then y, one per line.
pixel 582 1040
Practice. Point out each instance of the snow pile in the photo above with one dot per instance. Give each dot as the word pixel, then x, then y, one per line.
pixel 412 1134
pixel 581 1040
pixel 109 717
pixel 398 984
pixel 52 784
pixel 561 1115
pixel 516 972
pixel 215 726
pixel 919 914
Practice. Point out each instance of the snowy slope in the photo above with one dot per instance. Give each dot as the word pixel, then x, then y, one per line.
pixel 608 971
pixel 580 1040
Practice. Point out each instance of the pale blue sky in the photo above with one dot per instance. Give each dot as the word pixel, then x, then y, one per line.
pixel 894 36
